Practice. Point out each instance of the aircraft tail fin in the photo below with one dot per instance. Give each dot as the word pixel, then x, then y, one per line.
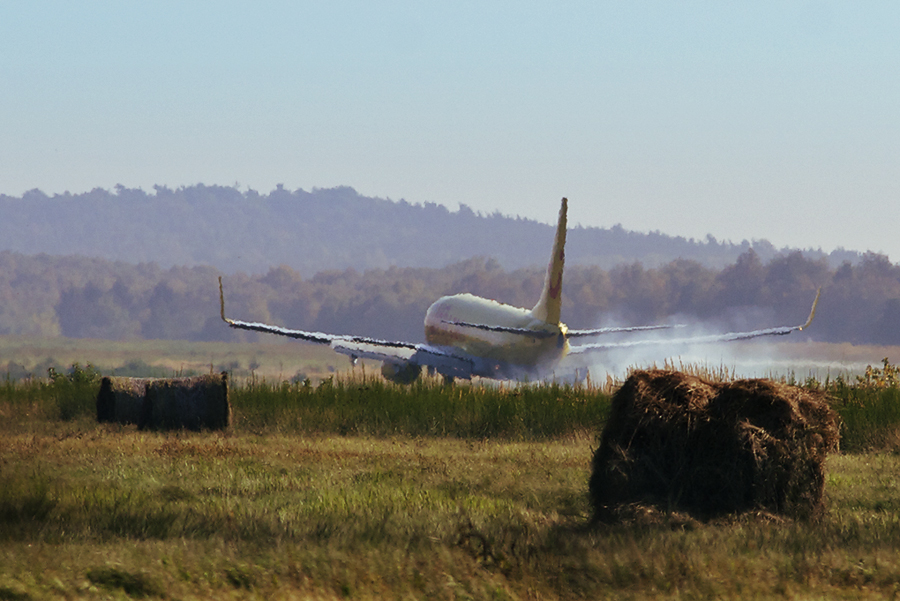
pixel 548 308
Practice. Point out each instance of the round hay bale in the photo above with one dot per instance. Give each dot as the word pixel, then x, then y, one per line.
pixel 121 400
pixel 681 443
pixel 779 436
pixel 192 403
pixel 652 418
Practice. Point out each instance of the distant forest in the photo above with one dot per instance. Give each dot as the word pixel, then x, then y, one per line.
pixel 325 229
pixel 89 297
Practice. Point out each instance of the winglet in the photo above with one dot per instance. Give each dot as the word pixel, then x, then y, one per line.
pixel 222 303
pixel 812 312
pixel 548 307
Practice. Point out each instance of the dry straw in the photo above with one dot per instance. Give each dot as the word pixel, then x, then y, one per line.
pixel 680 443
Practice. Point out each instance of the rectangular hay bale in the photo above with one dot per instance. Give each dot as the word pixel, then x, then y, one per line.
pixel 192 403
pixel 121 400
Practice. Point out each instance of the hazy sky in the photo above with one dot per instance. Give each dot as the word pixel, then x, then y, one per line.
pixel 777 120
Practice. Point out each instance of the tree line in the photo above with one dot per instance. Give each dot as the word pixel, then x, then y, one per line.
pixel 323 229
pixel 44 295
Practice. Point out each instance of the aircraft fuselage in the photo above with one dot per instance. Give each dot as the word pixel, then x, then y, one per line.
pixel 502 352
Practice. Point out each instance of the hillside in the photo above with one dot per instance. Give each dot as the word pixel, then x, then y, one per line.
pixel 325 229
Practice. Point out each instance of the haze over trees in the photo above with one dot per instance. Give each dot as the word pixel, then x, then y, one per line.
pixel 127 265
pixel 324 229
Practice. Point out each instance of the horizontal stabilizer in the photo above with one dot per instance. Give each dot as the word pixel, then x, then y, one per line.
pixel 503 329
pixel 619 330
pixel 569 333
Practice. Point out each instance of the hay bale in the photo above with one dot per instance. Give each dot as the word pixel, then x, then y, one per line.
pixel 681 443
pixel 121 400
pixel 192 403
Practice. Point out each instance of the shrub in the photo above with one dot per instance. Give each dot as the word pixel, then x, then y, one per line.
pixel 75 392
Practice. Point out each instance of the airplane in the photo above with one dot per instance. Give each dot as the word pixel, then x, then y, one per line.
pixel 468 336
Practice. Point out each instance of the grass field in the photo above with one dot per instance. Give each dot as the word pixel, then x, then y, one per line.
pixel 283 359
pixel 91 511
pixel 359 489
pixel 278 359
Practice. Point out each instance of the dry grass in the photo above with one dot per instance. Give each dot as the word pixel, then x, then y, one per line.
pixel 166 358
pixel 91 511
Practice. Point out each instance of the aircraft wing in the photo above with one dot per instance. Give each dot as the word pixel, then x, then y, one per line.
pixel 423 355
pixel 361 347
pixel 729 337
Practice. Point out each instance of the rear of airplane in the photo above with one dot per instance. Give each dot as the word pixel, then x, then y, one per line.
pixel 548 307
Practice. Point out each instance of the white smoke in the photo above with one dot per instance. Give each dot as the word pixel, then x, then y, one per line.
pixel 792 357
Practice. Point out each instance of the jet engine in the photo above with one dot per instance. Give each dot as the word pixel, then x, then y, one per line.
pixel 401 373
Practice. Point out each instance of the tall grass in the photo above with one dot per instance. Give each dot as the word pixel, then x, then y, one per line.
pixel 870 416
pixel 370 405
pixel 365 404
pixel 65 396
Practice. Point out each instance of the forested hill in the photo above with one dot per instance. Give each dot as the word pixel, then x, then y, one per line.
pixel 324 229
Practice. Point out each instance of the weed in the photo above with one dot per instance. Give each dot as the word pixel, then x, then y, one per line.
pixel 75 392
pixel 133 584
pixel 884 377
pixel 870 410
pixel 239 577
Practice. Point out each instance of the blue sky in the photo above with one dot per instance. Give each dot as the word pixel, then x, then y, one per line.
pixel 774 120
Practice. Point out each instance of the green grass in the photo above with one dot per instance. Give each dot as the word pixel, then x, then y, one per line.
pixel 21 356
pixel 370 405
pixel 349 405
pixel 358 488
pixel 89 511
pixel 870 415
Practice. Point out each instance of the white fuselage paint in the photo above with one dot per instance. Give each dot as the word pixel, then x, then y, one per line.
pixel 502 352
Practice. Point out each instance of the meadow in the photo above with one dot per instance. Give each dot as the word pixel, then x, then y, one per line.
pixel 24 356
pixel 351 487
